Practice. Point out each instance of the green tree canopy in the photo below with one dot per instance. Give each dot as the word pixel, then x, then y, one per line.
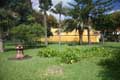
pixel 82 12
pixel 27 33
pixel 12 13
pixel 45 4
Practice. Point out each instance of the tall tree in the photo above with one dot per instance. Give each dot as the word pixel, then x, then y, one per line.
pixel 115 19
pixel 15 9
pixel 116 24
pixel 60 10
pixel 108 24
pixel 102 23
pixel 45 5
pixel 83 10
pixel 3 21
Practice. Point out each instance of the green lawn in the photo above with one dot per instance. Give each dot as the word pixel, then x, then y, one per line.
pixel 36 68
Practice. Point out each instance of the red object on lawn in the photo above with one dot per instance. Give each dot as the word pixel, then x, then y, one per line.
pixel 20 54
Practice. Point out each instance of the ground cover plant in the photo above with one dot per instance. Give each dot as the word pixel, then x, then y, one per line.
pixel 95 62
pixel 75 53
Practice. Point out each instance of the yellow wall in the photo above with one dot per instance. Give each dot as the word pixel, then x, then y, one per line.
pixel 73 36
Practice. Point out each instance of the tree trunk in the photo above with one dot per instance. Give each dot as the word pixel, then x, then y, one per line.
pixel 116 36
pixel 1 46
pixel 59 33
pixel 102 37
pixel 1 43
pixel 89 28
pixel 89 42
pixel 80 36
pixel 45 25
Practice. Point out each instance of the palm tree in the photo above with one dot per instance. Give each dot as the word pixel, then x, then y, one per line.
pixel 59 9
pixel 82 9
pixel 45 5
pixel 72 24
pixel 76 22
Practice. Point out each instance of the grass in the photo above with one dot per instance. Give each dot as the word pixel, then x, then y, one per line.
pixel 36 68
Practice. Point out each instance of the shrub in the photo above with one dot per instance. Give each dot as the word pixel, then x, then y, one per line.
pixel 69 56
pixel 95 52
pixel 27 34
pixel 74 54
pixel 47 52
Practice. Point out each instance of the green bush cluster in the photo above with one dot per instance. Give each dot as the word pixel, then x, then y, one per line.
pixel 74 54
pixel 67 56
pixel 27 34
pixel 70 56
pixel 47 52
pixel 96 52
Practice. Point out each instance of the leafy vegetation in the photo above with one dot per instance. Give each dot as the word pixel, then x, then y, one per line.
pixel 82 13
pixel 48 52
pixel 27 33
pixel 74 54
pixel 69 56
pixel 12 13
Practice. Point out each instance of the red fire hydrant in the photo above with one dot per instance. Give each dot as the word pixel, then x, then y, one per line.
pixel 20 54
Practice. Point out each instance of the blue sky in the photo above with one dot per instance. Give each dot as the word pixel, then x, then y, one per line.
pixel 35 5
pixel 117 5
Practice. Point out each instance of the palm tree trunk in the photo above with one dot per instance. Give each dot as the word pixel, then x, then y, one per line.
pixel 89 28
pixel 80 36
pixel 45 25
pixel 1 46
pixel 89 42
pixel 1 43
pixel 59 29
pixel 102 37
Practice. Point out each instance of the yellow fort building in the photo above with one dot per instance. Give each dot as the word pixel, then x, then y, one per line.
pixel 73 36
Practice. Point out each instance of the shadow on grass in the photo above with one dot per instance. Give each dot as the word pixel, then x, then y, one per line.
pixel 19 59
pixel 111 67
pixel 10 49
pixel 25 47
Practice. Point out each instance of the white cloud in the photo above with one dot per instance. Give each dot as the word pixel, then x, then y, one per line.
pixel 35 5
pixel 64 2
pixel 112 11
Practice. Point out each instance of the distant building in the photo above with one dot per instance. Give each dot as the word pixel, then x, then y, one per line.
pixel 73 36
